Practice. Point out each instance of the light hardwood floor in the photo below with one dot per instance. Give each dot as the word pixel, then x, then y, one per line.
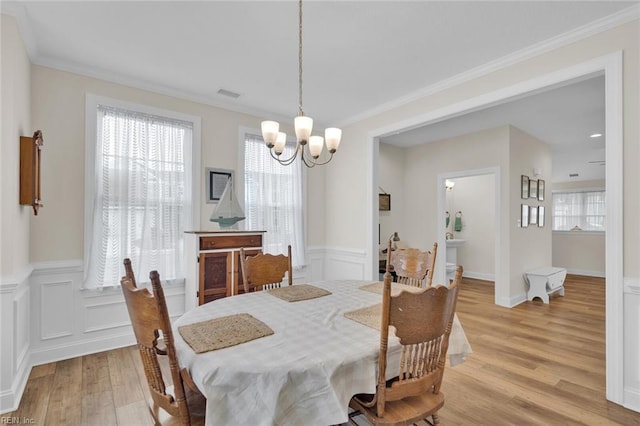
pixel 534 364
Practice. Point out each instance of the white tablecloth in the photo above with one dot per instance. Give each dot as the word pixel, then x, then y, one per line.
pixel 306 372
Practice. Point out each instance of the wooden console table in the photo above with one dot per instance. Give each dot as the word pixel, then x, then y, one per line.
pixel 544 281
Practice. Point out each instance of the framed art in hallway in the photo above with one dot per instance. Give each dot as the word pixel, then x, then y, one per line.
pixel 524 215
pixel 533 188
pixel 524 191
pixel 540 216
pixel 384 202
pixel 533 215
pixel 540 190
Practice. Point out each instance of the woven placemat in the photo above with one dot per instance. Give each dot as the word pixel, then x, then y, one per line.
pixel 223 332
pixel 395 288
pixel 295 293
pixel 369 316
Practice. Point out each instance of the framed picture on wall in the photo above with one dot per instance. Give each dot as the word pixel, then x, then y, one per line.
pixel 524 215
pixel 533 188
pixel 216 182
pixel 541 216
pixel 524 182
pixel 540 190
pixel 533 215
pixel 384 202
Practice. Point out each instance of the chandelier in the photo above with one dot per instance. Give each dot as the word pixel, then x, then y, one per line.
pixel 309 147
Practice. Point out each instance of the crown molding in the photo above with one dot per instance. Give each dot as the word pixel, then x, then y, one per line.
pixel 615 20
pixel 19 13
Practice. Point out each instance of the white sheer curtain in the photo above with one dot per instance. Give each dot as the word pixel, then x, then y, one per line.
pixel 142 196
pixel 585 211
pixel 273 199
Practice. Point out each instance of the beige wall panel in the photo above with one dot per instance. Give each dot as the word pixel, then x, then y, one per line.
pixel 60 112
pixel 15 95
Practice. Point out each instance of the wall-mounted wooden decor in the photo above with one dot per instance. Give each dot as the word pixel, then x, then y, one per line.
pixel 30 149
pixel 384 202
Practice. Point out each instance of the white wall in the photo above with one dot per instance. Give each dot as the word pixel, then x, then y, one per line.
pixel 580 252
pixel 15 93
pixel 45 316
pixel 16 122
pixel 507 149
pixel 56 236
pixel 465 91
pixel 474 196
pixel 532 244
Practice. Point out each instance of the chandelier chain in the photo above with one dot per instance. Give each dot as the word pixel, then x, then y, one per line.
pixel 300 57
pixel 308 147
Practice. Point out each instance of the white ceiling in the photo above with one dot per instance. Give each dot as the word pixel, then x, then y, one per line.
pixel 360 57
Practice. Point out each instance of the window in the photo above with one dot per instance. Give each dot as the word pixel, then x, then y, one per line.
pixel 273 199
pixel 579 211
pixel 140 193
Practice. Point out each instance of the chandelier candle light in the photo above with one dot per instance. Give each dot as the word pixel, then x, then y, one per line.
pixel 276 140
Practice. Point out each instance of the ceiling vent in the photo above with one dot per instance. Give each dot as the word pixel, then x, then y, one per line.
pixel 228 93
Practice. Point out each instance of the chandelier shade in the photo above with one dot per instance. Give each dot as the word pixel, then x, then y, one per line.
pixel 309 147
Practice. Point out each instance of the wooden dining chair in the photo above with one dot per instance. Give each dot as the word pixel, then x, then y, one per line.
pixel 265 271
pixel 169 405
pixel 128 271
pixel 413 266
pixel 423 324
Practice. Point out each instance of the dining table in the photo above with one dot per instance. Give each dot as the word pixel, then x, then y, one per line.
pixel 306 367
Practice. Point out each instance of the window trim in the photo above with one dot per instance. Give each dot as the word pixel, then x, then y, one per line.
pixel 91 119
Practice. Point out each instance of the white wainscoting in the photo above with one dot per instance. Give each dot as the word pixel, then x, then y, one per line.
pixel 47 317
pixel 15 299
pixel 68 321
pixel 347 264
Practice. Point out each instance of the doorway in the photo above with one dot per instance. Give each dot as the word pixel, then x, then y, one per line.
pixel 609 65
pixel 476 202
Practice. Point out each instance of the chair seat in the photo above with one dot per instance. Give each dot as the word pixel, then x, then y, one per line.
pixel 403 412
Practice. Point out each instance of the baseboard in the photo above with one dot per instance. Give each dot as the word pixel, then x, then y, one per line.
pixel 479 276
pixel 510 302
pixel 10 399
pixel 81 348
pixel 586 273
pixel 632 399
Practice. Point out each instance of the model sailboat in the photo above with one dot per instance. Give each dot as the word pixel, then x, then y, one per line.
pixel 228 212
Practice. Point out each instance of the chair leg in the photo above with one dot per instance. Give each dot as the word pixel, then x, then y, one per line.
pixel 436 419
pixel 352 415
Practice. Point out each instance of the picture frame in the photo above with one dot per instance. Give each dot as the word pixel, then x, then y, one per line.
pixel 540 216
pixel 384 202
pixel 533 188
pixel 524 215
pixel 540 190
pixel 215 183
pixel 524 191
pixel 533 215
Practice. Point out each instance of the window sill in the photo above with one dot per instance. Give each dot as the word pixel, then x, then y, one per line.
pixel 114 290
pixel 581 232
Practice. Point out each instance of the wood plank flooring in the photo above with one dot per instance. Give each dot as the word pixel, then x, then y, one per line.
pixel 534 364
